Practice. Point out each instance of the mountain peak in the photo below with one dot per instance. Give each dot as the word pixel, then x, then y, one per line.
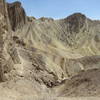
pixel 77 15
pixel 16 3
pixel 75 22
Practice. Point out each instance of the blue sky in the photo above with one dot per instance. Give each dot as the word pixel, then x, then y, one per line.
pixel 61 8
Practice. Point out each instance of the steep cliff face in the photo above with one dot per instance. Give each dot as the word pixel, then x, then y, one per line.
pixel 3 32
pixel 17 15
pixel 40 56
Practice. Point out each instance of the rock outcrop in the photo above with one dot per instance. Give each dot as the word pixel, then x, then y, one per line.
pixel 17 15
pixel 75 22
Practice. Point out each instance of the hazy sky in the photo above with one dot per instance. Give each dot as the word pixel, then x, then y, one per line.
pixel 61 8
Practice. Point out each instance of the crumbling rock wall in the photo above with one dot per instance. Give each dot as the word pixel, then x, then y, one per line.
pixel 17 15
pixel 3 31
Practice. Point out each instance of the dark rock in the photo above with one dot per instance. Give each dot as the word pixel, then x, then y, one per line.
pixel 17 15
pixel 75 22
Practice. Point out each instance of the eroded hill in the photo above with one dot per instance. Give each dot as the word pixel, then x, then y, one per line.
pixel 42 56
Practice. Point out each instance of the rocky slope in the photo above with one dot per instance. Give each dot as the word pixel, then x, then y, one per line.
pixel 85 84
pixel 41 56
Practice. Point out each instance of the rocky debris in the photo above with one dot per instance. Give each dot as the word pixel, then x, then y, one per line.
pixel 17 15
pixel 18 41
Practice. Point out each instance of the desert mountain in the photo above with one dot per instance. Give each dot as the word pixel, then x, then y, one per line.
pixel 42 58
